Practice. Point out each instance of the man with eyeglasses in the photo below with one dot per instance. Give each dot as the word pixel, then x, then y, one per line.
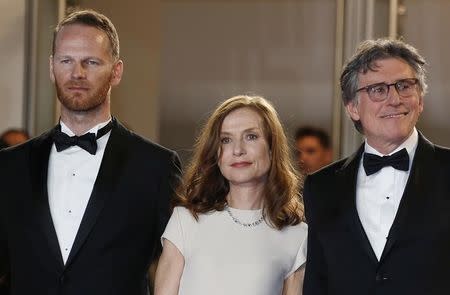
pixel 379 220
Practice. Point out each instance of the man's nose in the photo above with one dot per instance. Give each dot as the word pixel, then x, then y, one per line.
pixel 393 95
pixel 78 71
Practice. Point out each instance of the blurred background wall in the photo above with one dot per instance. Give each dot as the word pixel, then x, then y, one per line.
pixel 212 50
pixel 182 57
pixel 426 24
pixel 12 59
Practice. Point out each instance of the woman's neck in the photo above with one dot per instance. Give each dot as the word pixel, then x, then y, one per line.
pixel 245 197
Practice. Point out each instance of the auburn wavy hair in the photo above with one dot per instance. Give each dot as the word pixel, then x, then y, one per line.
pixel 204 188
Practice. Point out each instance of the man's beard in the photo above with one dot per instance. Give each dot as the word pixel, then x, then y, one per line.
pixel 76 102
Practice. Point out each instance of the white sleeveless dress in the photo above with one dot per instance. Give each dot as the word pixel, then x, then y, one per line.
pixel 223 257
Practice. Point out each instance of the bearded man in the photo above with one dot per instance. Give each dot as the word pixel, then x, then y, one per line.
pixel 84 205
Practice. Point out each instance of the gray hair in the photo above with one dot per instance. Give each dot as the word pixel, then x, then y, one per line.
pixel 370 51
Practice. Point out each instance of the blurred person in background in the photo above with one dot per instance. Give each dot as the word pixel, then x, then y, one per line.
pixel 12 137
pixel 313 149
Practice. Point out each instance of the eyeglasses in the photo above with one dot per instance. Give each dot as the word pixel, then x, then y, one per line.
pixel 380 91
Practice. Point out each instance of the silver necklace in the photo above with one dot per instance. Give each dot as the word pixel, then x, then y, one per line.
pixel 244 224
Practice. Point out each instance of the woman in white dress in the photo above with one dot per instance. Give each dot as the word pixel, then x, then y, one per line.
pixel 237 227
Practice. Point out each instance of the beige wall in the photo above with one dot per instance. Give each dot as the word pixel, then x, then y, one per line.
pixel 28 96
pixel 135 100
pixel 12 60
pixel 426 26
pixel 212 50
pixel 41 92
pixel 183 57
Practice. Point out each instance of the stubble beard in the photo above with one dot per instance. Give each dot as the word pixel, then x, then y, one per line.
pixel 77 102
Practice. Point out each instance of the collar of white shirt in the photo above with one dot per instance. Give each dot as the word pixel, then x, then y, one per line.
pixel 410 144
pixel 101 142
pixel 66 129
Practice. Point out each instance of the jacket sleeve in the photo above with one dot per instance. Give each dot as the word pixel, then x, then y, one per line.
pixel 4 257
pixel 316 280
pixel 4 260
pixel 169 183
pixel 4 264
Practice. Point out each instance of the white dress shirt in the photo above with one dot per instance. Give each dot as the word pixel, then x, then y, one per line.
pixel 71 178
pixel 378 195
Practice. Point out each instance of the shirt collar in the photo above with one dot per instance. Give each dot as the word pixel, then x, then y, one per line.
pixel 66 129
pixel 410 144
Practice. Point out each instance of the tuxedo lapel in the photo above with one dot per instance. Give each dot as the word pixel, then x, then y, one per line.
pixel 420 178
pixel 114 158
pixel 347 178
pixel 39 156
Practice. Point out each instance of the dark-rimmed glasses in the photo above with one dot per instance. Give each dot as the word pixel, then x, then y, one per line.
pixel 380 91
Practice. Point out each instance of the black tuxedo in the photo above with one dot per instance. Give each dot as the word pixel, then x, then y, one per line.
pixel 416 257
pixel 120 230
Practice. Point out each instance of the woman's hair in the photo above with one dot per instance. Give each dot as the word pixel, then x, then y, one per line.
pixel 204 188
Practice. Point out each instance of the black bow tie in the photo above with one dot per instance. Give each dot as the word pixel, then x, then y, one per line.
pixel 373 163
pixel 87 142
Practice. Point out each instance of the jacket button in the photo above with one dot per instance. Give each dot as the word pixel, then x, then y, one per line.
pixel 380 277
pixel 63 279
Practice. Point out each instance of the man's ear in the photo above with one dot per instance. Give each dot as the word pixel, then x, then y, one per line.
pixel 420 104
pixel 352 110
pixel 50 66
pixel 117 71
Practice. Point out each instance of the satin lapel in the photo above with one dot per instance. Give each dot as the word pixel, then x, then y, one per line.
pixel 347 178
pixel 108 176
pixel 420 178
pixel 40 153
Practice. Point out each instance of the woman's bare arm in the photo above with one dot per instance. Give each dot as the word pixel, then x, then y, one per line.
pixel 293 285
pixel 169 271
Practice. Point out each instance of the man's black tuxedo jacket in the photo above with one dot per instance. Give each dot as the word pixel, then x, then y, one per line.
pixel 416 258
pixel 120 230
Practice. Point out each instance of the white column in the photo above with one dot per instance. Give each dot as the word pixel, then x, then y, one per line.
pixel 359 23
